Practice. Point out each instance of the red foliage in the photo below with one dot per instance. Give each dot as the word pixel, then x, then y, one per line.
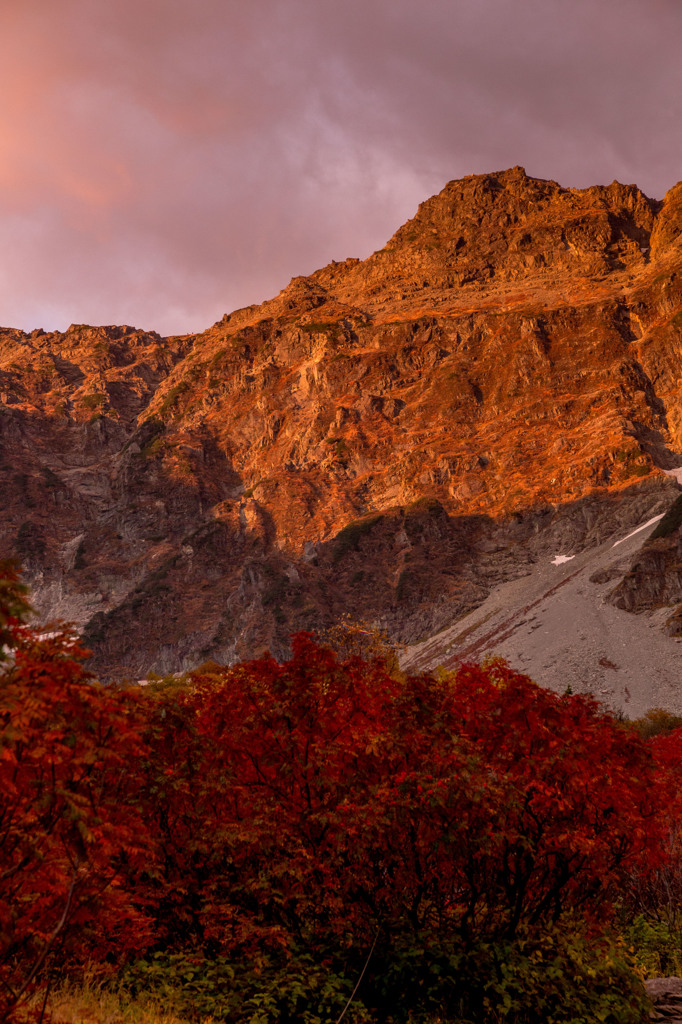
pixel 313 804
pixel 254 779
pixel 68 824
pixel 528 803
pixel 318 798
pixel 657 893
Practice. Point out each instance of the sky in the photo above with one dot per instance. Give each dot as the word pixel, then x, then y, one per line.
pixel 163 162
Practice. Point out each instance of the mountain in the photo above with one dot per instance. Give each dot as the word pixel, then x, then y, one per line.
pixel 394 439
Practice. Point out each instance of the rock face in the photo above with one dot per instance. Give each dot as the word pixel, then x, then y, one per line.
pixel 666 996
pixel 390 438
pixel 654 577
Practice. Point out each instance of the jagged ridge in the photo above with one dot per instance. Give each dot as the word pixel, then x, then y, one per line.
pixel 388 437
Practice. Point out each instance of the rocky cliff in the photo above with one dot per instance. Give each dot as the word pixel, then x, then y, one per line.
pixel 390 438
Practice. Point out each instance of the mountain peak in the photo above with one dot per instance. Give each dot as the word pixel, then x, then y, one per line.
pixel 486 237
pixel 392 436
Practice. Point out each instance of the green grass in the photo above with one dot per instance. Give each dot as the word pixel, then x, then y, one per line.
pixel 350 536
pixel 424 506
pixel 248 493
pixel 173 397
pixel 150 437
pixel 319 326
pixel 94 401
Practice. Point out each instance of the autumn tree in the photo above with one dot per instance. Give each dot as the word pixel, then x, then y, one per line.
pixel 70 831
pixel 328 805
pixel 298 827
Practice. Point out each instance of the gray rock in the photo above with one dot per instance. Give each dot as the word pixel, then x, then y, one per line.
pixel 666 995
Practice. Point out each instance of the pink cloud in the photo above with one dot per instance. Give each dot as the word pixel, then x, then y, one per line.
pixel 165 161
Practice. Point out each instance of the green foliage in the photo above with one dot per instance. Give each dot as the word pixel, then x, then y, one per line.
pixel 249 492
pixel 560 975
pixel 264 989
pixel 670 522
pixel 424 506
pixel 657 722
pixel 172 398
pixel 350 536
pixel 14 606
pixel 319 326
pixel 341 450
pixel 654 947
pixel 154 447
pixel 632 462
pixel 149 437
pixel 93 401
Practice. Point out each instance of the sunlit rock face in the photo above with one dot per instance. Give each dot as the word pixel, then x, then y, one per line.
pixel 388 438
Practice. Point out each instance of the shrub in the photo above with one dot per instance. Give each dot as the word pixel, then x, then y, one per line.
pixel 655 895
pixel 657 722
pixel 325 808
pixel 172 398
pixel 266 989
pixel 655 949
pixel 424 506
pixel 68 820
pixel 261 838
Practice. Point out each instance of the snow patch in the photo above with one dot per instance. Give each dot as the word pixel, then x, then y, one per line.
pixel 560 559
pixel 639 529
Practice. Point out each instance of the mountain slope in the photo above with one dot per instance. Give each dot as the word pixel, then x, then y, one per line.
pixel 390 438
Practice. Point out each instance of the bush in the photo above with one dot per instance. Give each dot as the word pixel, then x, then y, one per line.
pixel 70 830
pixel 93 401
pixel 276 833
pixel 260 990
pixel 314 808
pixel 655 949
pixel 657 722
pixel 563 975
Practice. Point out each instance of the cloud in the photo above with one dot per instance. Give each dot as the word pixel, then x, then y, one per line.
pixel 165 161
